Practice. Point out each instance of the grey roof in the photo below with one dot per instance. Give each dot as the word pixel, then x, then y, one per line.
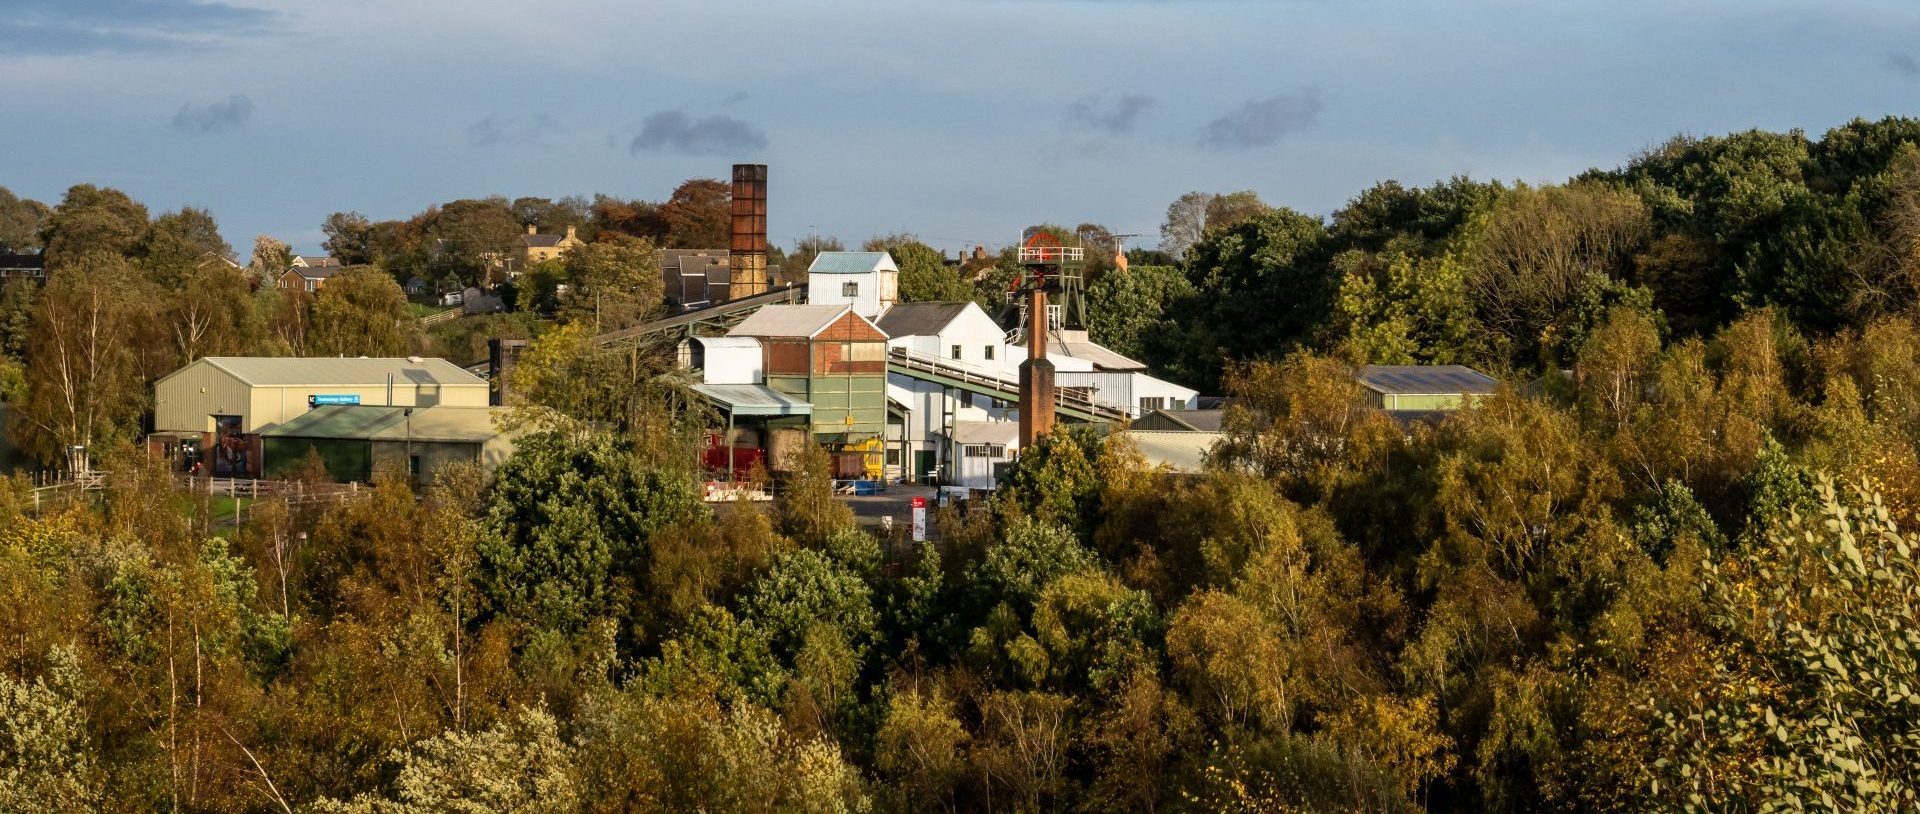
pixel 789 320
pixel 1194 420
pixel 1004 433
pixel 1182 452
pixel 316 272
pixel 1077 345
pixel 381 423
pixel 753 399
pixel 317 259
pixel 920 318
pixel 538 241
pixel 1427 380
pixel 850 262
pixel 270 371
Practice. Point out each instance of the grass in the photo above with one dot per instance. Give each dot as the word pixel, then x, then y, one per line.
pixel 421 309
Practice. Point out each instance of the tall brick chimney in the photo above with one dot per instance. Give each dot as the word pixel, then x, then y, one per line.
pixel 747 250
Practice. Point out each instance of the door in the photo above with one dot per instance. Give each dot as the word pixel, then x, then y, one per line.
pixel 922 465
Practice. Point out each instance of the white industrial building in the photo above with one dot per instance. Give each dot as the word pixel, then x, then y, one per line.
pixel 867 281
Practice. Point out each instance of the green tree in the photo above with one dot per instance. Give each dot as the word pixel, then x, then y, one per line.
pixel 1125 309
pixel 83 392
pixel 47 761
pixel 924 275
pixel 520 765
pixel 360 312
pixel 568 523
pixel 349 238
pixel 610 285
pixel 794 268
pixel 20 222
pixel 92 219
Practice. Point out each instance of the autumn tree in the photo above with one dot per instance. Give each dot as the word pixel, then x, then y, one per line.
pixel 360 312
pixel 90 220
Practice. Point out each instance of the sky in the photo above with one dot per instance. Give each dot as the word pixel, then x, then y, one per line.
pixel 960 121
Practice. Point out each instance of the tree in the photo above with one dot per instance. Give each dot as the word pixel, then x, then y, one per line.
pixel 698 215
pixel 519 765
pixel 349 238
pixel 806 510
pixel 20 222
pixel 1805 705
pixel 1124 310
pixel 361 312
pixel 1260 289
pixel 47 762
pixel 83 392
pixel 794 268
pixel 568 523
pixel 182 240
pixel 271 258
pixel 611 285
pixel 1191 216
pixel 92 219
pixel 924 275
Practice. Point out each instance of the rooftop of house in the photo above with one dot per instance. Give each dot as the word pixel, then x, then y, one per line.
pixel 921 318
pixel 327 371
pixel 851 263
pixel 1427 380
pixel 790 321
pixel 315 260
pixel 316 272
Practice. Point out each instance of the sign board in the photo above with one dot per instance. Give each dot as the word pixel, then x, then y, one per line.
pixel 919 519
pixel 327 398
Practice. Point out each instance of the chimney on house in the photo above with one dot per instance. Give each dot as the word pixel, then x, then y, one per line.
pixel 747 250
pixel 532 230
pixel 570 234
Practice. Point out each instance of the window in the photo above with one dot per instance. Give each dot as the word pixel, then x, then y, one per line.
pixel 986 353
pixel 1149 403
pixel 849 289
pixel 956 351
pixel 994 451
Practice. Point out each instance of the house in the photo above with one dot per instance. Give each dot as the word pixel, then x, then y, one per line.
pixel 834 360
pixel 32 266
pixel 307 278
pixel 314 261
pixel 694 278
pixel 868 282
pixel 1424 388
pixel 951 331
pixel 536 248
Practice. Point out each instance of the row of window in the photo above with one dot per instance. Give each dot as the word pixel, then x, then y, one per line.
pixel 994 451
pixel 986 352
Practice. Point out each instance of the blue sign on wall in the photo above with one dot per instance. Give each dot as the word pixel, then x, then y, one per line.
pixel 317 400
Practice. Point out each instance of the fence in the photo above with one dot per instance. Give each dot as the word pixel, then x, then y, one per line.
pixel 51 488
pixel 431 320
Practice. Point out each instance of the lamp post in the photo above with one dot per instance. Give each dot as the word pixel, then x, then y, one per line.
pixel 412 475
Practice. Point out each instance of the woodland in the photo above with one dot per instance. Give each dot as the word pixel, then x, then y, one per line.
pixel 1668 567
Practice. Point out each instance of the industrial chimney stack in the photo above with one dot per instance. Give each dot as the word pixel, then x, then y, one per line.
pixel 747 252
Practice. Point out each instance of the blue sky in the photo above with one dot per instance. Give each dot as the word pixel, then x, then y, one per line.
pixel 960 121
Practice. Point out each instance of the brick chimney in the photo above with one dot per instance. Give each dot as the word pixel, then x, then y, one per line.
pixel 747 248
pixel 570 234
pixel 532 230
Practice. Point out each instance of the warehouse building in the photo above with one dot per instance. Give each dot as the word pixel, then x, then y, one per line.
pixel 212 411
pixel 355 441
pixel 1425 388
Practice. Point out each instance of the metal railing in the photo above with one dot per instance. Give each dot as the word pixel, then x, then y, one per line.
pixel 443 316
pixel 968 374
pixel 1052 254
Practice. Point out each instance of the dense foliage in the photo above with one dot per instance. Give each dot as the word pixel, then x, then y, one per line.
pixel 1668 566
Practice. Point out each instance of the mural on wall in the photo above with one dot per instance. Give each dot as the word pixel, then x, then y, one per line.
pixel 229 448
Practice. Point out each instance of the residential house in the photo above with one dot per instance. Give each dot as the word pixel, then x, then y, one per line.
pixel 310 278
pixel 694 278
pixel 536 248
pixel 32 266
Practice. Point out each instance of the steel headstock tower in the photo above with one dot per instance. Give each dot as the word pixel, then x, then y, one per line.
pixel 1048 267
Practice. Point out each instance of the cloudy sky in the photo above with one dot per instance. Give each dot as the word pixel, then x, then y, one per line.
pixel 959 120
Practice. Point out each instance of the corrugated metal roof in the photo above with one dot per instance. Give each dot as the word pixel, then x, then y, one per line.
pixel 789 320
pixel 270 371
pixel 1005 433
pixel 1183 452
pixel 472 425
pixel 753 399
pixel 851 263
pixel 1427 380
pixel 921 318
pixel 1194 420
pixel 1077 345
pixel 716 342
